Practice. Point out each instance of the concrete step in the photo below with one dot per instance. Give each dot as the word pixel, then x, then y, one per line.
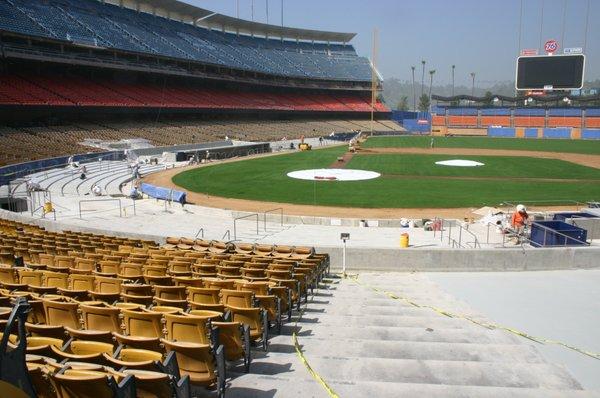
pixel 483 336
pixel 347 348
pixel 425 319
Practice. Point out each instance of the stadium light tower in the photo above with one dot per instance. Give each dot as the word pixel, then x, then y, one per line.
pixel 453 67
pixel 472 84
pixel 431 73
pixel 423 77
pixel 414 92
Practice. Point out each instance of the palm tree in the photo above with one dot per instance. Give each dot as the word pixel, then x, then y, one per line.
pixel 431 73
pixel 423 77
pixel 413 86
pixel 453 67
pixel 473 84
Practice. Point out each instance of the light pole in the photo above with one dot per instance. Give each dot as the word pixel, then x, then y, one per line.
pixel 414 92
pixel 431 73
pixel 423 77
pixel 453 67
pixel 473 84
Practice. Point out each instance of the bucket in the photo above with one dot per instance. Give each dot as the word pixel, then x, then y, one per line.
pixel 404 240
pixel 48 207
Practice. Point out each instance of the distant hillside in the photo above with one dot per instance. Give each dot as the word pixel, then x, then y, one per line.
pixel 394 89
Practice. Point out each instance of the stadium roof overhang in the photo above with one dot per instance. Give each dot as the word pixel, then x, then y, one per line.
pixel 178 10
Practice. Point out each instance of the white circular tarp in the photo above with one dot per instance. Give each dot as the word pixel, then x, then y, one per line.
pixel 459 163
pixel 333 175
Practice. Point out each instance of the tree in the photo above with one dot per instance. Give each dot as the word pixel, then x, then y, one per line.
pixel 423 103
pixel 403 104
pixel 488 98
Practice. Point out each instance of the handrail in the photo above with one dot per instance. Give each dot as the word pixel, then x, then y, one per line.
pixel 102 200
pixel 200 231
pixel 227 234
pixel 269 211
pixel 476 243
pixel 235 220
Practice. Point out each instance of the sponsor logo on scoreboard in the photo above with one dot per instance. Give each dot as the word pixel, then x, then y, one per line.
pixel 551 46
pixel 529 51
pixel 573 50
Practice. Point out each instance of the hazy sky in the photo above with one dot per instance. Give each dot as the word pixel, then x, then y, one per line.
pixel 476 35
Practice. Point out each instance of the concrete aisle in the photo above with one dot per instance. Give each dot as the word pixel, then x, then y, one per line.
pixel 367 345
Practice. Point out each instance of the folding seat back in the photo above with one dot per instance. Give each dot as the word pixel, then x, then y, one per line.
pixel 170 292
pixel 130 270
pixel 64 261
pixel 60 313
pixel 81 282
pixel 198 362
pixel 228 272
pixel 219 283
pixel 108 285
pixel 187 281
pixel 56 279
pixel 232 263
pixel 258 288
pixel 255 319
pixel 7 259
pixel 201 245
pixel 263 250
pixel 235 339
pixel 187 328
pixel 142 323
pixel 109 267
pixel 151 384
pixel 91 384
pixel 85 264
pixel 278 274
pixel 237 298
pixel 203 295
pixel 8 275
pixel 32 278
pixel 208 261
pixel 155 271
pixel 101 318
pixel 155 262
pixel 136 289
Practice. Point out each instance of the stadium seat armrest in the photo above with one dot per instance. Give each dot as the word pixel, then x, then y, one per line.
pixel 182 387
pixel 221 372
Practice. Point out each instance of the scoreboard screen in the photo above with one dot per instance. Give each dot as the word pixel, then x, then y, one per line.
pixel 550 72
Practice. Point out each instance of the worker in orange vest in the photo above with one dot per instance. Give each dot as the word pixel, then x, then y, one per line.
pixel 519 219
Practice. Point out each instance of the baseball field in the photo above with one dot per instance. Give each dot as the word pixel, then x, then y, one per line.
pixel 514 170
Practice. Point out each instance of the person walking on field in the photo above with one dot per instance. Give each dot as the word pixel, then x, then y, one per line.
pixel 432 143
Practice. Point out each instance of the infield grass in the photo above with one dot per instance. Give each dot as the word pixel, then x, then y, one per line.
pixel 265 179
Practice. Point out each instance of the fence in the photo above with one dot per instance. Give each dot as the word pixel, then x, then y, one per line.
pixel 101 200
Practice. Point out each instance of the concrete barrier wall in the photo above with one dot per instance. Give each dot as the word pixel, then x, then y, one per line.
pixel 501 132
pixel 591 225
pixel 590 134
pixel 557 133
pixel 507 259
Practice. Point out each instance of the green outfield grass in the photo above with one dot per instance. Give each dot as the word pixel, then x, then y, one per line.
pixel 265 179
pixel 495 166
pixel 518 144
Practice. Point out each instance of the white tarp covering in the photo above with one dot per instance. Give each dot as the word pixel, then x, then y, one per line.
pixel 333 175
pixel 459 163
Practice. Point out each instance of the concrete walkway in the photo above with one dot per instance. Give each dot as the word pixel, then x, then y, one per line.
pixel 559 305
pixel 364 344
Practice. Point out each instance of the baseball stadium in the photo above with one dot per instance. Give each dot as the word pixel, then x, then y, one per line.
pixel 199 201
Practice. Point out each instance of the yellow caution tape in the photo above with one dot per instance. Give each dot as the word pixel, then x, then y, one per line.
pixel 487 325
pixel 304 361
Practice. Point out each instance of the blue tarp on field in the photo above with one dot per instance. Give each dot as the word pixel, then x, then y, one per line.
pixel 163 193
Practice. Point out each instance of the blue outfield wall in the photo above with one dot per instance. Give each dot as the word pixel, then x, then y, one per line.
pixel 557 133
pixel 531 132
pixel 590 134
pixel 530 112
pixel 501 132
pixel 495 112
pixel 413 126
pixel 592 112
pixel 462 111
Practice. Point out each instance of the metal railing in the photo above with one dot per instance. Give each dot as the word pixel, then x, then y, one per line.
pixel 235 220
pixel 453 241
pixel 200 231
pixel 101 200
pixel 270 211
pixel 226 234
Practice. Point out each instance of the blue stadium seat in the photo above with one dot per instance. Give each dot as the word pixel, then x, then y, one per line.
pixel 94 23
